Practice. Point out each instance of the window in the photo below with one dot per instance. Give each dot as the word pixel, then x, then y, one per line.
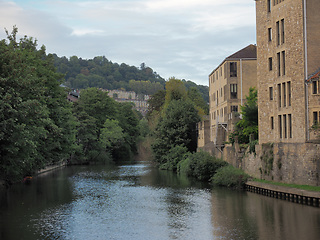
pixel 314 87
pixel 282 31
pixel 285 125
pixel 233 91
pixel 269 34
pixel 234 108
pixel 315 118
pixel 290 125
pixel 217 101
pixel 283 53
pixel 270 63
pixel 284 94
pixel 269 5
pixel 289 93
pixel 279 95
pixel 279 64
pixel 278 32
pixel 271 93
pixel 280 125
pixel 233 69
pixel 271 123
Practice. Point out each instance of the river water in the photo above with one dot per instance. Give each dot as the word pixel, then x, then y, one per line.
pixel 141 202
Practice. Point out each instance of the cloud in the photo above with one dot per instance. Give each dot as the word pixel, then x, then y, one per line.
pixel 182 38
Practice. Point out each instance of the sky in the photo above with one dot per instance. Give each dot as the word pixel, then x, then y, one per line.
pixel 186 39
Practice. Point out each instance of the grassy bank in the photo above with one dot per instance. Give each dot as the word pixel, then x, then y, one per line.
pixel 303 187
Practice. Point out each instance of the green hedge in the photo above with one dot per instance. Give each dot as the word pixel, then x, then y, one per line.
pixel 230 176
pixel 200 165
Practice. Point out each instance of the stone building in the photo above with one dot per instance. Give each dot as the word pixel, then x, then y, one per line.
pixel 288 40
pixel 140 101
pixel 229 84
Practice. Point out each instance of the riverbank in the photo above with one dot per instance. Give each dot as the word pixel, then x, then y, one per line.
pixel 296 195
pixel 52 167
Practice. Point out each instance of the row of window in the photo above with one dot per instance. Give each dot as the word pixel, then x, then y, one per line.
pixel 232 71
pixel 281 63
pixel 284 94
pixel 284 125
pixel 222 93
pixel 275 2
pixel 223 111
pixel 280 39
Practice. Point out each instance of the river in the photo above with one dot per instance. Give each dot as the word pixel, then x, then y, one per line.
pixel 140 202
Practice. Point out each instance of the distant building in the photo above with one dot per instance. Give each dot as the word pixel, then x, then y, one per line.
pixel 229 85
pixel 140 100
pixel 288 40
pixel 73 96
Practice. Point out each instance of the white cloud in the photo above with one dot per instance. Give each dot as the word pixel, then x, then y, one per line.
pixel 181 38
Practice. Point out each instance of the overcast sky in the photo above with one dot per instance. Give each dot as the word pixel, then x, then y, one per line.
pixel 186 39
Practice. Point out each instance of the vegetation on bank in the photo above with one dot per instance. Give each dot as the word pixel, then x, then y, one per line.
pixel 39 127
pixel 173 116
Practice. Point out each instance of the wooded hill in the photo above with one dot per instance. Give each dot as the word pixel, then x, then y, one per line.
pixel 102 73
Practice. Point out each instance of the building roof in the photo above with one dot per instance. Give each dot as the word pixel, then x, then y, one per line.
pixel 314 76
pixel 247 53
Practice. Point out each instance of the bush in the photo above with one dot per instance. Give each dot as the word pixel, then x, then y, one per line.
pixel 200 165
pixel 230 176
pixel 175 155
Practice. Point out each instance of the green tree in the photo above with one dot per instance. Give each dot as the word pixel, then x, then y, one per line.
pixel 176 127
pixel 37 127
pixel 248 125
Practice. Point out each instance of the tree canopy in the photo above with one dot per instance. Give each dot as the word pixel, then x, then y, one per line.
pixel 248 125
pixel 36 122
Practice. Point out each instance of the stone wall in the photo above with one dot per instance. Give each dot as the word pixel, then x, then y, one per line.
pixel 297 163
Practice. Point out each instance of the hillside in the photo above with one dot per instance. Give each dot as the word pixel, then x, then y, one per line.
pixel 102 73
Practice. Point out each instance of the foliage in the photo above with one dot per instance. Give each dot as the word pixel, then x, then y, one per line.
pixel 36 122
pixel 229 176
pixel 248 125
pixel 176 127
pixel 111 134
pixel 174 156
pixel 107 128
pixel 195 96
pixel 200 165
pixel 316 129
pixel 99 72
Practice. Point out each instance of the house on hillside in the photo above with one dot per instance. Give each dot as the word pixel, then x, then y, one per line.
pixel 140 101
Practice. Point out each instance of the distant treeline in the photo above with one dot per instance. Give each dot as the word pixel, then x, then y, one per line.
pixel 100 72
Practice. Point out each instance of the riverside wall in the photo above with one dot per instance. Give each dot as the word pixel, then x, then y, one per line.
pixel 292 163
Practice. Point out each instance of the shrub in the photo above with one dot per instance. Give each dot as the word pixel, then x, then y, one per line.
pixel 200 165
pixel 230 176
pixel 175 155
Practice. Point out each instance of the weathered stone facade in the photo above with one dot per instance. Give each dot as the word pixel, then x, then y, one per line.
pixel 297 163
pixel 288 71
pixel 229 83
pixel 287 56
pixel 203 129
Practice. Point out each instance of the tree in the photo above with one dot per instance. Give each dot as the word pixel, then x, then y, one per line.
pixel 37 127
pixel 195 96
pixel 176 127
pixel 248 125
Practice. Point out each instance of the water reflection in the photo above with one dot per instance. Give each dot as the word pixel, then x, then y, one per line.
pixel 140 202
